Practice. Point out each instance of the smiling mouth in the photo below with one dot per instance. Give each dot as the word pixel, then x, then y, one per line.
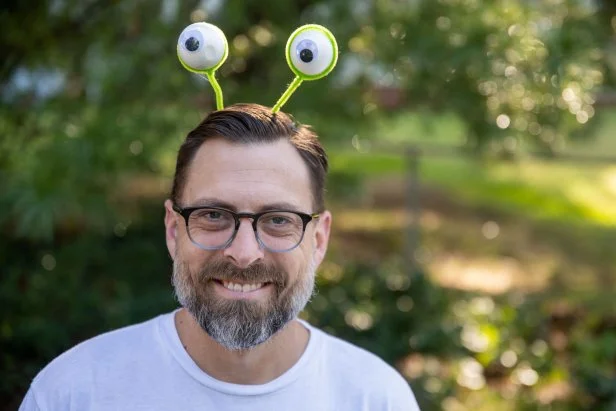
pixel 242 287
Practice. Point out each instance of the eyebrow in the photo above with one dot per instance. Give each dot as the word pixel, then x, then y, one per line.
pixel 212 202
pixel 215 202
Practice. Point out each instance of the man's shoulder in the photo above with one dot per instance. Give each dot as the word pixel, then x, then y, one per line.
pixel 82 361
pixel 355 358
pixel 358 368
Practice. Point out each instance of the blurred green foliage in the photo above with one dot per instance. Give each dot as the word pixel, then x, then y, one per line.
pixel 59 294
pixel 92 90
pixel 93 105
pixel 509 352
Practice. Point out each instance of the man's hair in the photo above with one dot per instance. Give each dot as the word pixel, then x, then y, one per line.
pixel 250 124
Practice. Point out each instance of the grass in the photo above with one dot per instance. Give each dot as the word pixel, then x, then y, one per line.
pixel 597 139
pixel 540 190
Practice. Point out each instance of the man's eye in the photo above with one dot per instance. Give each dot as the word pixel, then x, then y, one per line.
pixel 279 220
pixel 210 215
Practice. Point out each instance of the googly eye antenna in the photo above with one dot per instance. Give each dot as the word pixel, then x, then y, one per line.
pixel 202 48
pixel 312 53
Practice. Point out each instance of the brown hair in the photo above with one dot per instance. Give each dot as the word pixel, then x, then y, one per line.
pixel 253 123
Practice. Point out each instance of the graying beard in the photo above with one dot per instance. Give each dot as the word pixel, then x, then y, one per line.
pixel 235 329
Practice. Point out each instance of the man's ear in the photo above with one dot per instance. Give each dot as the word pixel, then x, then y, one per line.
pixel 321 236
pixel 171 227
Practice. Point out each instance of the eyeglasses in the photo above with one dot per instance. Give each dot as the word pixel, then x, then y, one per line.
pixel 214 228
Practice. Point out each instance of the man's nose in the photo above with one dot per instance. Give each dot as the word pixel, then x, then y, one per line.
pixel 244 249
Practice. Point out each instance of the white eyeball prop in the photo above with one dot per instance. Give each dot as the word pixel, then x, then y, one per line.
pixel 312 52
pixel 202 47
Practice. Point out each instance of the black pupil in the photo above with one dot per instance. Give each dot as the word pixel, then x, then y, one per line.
pixel 306 55
pixel 191 44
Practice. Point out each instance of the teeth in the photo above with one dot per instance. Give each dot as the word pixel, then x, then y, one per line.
pixel 244 288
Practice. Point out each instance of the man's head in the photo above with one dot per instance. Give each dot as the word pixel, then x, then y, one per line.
pixel 245 159
pixel 249 124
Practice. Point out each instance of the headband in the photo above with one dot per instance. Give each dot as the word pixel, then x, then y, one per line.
pixel 311 52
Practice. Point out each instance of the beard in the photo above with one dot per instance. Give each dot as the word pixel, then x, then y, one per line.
pixel 241 324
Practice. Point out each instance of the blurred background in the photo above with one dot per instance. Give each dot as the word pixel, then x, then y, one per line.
pixel 473 181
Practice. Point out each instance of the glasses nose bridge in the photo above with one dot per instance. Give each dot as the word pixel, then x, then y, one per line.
pixel 251 216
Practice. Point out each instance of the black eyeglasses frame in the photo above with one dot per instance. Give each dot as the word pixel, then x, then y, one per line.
pixel 185 212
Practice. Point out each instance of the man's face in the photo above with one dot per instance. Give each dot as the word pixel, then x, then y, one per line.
pixel 274 286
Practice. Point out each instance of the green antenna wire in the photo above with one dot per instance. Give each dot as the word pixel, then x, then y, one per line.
pixel 285 96
pixel 217 90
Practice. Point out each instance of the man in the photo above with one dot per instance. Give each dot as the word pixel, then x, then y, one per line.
pixel 246 228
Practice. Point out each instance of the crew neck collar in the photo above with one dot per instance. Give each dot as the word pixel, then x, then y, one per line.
pixel 171 338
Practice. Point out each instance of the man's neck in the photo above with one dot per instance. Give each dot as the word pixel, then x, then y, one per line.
pixel 258 365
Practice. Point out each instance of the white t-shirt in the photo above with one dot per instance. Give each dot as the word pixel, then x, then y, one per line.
pixel 145 367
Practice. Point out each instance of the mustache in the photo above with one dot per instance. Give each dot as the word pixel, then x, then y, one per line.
pixel 227 271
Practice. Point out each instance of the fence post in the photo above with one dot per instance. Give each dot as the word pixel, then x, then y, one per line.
pixel 413 208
